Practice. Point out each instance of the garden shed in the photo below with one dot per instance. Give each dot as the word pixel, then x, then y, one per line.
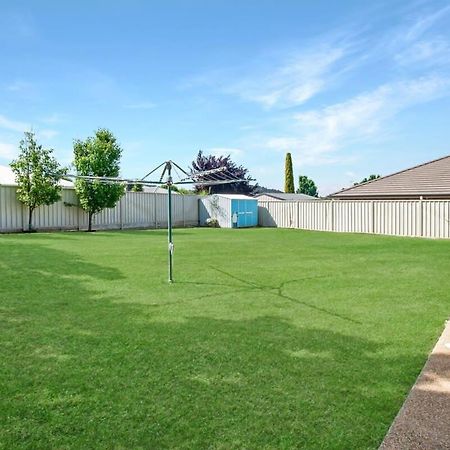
pixel 230 210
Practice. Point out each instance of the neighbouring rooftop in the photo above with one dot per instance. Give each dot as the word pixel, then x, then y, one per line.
pixel 430 180
pixel 287 197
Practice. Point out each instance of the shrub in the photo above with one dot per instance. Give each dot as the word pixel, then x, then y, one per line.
pixel 213 223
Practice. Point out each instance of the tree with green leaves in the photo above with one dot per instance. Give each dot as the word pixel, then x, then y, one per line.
pixel 136 187
pixel 97 156
pixel 37 174
pixel 178 189
pixel 288 175
pixel 307 186
pixel 369 178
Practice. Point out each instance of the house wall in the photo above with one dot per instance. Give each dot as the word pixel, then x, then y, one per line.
pixel 134 210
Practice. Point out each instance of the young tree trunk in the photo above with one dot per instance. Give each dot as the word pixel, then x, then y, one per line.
pixel 90 214
pixel 30 218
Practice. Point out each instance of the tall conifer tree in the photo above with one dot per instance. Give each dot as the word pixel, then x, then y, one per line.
pixel 288 175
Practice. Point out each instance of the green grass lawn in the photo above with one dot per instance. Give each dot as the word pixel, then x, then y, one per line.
pixel 269 338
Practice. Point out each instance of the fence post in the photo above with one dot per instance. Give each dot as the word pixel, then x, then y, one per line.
pixel 298 214
pixel 331 215
pixel 154 209
pixel 120 211
pixel 421 216
pixel 184 212
pixel 373 217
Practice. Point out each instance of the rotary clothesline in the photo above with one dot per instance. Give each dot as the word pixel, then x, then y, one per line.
pixel 206 178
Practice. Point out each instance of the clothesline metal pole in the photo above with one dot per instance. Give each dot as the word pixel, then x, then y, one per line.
pixel 169 218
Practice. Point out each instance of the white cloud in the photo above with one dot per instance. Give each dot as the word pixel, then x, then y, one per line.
pixel 293 81
pixel 320 133
pixel 420 44
pixel 20 127
pixel 424 23
pixel 13 124
pixel 430 52
pixel 283 79
pixel 7 151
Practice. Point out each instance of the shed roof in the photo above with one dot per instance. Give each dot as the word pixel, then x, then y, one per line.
pixel 236 196
pixel 288 197
pixel 429 180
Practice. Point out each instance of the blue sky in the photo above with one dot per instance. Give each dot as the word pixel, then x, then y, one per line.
pixel 349 89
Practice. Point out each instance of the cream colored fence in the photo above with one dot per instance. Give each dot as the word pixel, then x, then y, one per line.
pixel 134 210
pixel 423 218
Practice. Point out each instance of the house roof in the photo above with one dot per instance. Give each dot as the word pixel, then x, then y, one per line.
pixel 288 197
pixel 429 180
pixel 7 176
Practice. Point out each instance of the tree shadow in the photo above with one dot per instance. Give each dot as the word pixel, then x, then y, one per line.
pixel 79 370
pixel 53 235
pixel 203 383
pixel 23 259
pixel 149 231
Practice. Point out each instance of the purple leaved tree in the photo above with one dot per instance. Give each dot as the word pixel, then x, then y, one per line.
pixel 207 162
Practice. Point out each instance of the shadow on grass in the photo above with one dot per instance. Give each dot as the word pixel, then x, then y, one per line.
pixel 251 286
pixel 82 373
pixel 23 259
pixel 52 235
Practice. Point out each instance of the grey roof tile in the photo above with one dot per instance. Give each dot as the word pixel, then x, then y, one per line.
pixel 430 180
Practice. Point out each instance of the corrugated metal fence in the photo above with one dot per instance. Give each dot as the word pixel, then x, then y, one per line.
pixel 422 218
pixel 427 218
pixel 134 210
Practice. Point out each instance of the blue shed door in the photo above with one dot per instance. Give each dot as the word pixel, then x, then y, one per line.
pixel 246 212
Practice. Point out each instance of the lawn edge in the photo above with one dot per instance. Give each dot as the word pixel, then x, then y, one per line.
pixel 421 421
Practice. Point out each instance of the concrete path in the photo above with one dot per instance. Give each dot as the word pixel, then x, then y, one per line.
pixel 423 422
